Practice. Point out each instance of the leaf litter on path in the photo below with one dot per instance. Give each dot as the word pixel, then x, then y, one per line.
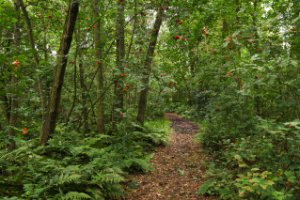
pixel 178 172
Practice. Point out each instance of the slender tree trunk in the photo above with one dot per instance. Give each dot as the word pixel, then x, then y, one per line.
pixel 99 66
pixel 5 101
pixel 46 57
pixel 147 66
pixel 14 97
pixel 128 98
pixel 120 62
pixel 295 43
pixel 134 28
pixel 35 55
pixel 83 92
pixel 83 88
pixel 61 63
pixel 3 95
pixel 75 89
pixel 257 100
pixel 254 23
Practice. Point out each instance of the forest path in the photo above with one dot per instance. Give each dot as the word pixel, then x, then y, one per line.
pixel 178 172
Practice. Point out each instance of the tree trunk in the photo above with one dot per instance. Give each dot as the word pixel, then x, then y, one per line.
pixel 75 88
pixel 99 66
pixel 35 55
pixel 134 28
pixel 295 43
pixel 147 67
pixel 61 63
pixel 83 92
pixel 83 87
pixel 14 97
pixel 120 62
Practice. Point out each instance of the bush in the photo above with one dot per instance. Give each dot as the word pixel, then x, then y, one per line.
pixel 74 166
pixel 260 166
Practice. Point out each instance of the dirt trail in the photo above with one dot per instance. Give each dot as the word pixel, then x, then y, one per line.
pixel 177 172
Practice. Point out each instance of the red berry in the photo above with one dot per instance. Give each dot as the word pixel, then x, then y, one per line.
pixel 177 37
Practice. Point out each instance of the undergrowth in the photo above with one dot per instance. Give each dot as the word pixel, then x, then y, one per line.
pixel 79 166
pixel 252 158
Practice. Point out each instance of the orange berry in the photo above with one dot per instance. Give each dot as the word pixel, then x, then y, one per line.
pixel 24 131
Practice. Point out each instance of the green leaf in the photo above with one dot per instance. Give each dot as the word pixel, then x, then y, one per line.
pixel 204 188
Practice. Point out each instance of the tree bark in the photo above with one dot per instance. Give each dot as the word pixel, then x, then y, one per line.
pixel 99 66
pixel 61 63
pixel 83 87
pixel 120 62
pixel 35 55
pixel 83 92
pixel 295 43
pixel 13 115
pixel 134 28
pixel 147 66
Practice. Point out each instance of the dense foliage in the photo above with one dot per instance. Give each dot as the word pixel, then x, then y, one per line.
pixel 245 86
pixel 233 65
pixel 79 166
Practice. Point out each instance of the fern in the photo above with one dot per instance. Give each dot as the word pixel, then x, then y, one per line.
pixel 76 196
pixel 73 167
pixel 108 176
pixel 69 178
pixel 137 164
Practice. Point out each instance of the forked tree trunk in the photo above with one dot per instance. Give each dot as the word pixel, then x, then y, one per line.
pixel 99 66
pixel 61 63
pixel 147 66
pixel 120 62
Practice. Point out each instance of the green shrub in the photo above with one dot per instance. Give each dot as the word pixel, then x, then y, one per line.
pixel 74 166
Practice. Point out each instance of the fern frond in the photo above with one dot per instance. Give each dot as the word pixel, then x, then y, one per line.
pixel 76 196
pixel 108 176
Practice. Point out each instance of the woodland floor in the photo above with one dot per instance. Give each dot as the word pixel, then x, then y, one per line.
pixel 178 171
